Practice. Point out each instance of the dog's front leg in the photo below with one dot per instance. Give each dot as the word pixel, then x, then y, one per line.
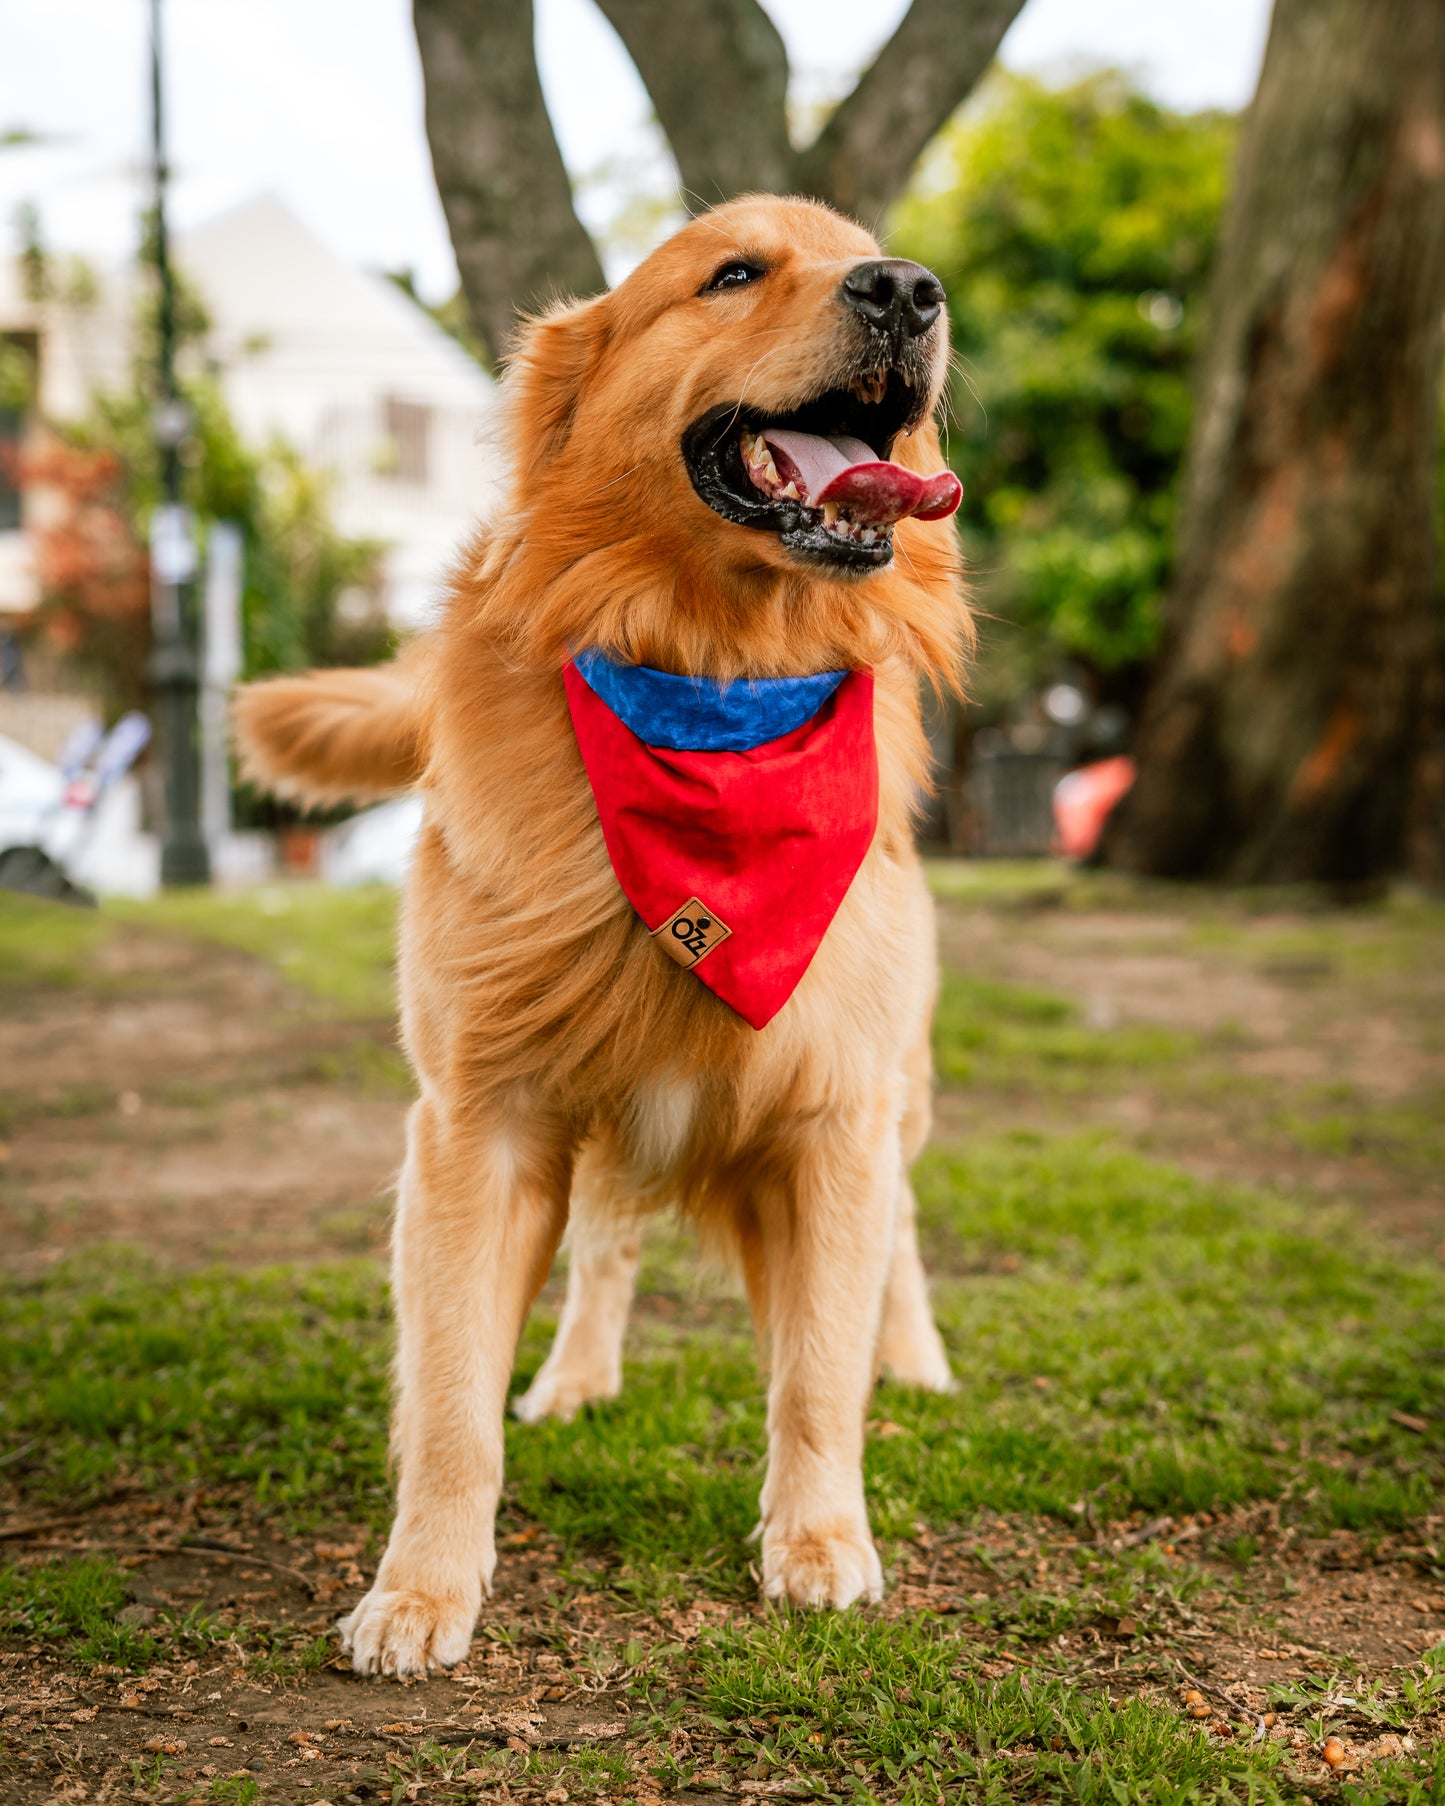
pixel 825 1250
pixel 482 1207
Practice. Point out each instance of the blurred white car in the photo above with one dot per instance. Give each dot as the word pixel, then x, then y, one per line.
pixel 65 827
pixel 30 788
pixel 374 847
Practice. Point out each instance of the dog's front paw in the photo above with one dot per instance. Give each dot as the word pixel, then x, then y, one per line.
pixel 835 1566
pixel 562 1395
pixel 403 1632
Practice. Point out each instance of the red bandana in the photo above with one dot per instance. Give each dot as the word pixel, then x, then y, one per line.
pixel 737 861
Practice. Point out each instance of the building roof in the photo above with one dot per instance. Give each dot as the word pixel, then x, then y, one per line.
pixel 276 294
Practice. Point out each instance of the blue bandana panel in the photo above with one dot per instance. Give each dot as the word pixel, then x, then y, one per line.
pixel 699 714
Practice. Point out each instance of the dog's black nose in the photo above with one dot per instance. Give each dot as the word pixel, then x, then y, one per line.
pixel 894 295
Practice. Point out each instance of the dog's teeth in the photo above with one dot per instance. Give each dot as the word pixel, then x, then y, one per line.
pixel 830 514
pixel 759 461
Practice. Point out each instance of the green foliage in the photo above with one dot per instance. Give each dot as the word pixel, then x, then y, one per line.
pixel 300 573
pixel 1074 230
pixel 310 594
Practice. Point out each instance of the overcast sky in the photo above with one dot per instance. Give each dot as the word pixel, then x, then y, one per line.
pixel 319 101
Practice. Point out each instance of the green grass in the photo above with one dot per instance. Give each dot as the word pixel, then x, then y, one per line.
pixel 908 1711
pixel 45 943
pixel 1120 1331
pixel 1127 1339
pixel 339 945
pixel 273 1379
pixel 1406 1137
pixel 336 945
pixel 73 1605
pixel 1011 1038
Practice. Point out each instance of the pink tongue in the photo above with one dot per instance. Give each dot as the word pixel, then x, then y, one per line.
pixel 846 471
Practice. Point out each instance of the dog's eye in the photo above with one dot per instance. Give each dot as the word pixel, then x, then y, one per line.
pixel 734 275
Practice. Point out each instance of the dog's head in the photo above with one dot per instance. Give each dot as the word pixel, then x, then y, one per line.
pixel 751 409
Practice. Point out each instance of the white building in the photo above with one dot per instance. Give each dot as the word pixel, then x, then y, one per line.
pixel 338 362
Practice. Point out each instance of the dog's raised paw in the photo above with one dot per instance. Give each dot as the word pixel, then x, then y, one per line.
pixel 834 1567
pixel 401 1632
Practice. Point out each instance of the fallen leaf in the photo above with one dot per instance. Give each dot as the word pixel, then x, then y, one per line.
pixel 1418 1425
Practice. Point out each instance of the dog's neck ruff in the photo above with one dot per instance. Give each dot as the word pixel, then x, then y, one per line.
pixel 735 815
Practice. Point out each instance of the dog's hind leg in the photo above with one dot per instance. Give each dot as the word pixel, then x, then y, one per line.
pixel 910 1349
pixel 482 1208
pixel 605 1240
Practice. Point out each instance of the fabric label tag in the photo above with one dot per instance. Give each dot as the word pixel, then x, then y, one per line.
pixel 689 934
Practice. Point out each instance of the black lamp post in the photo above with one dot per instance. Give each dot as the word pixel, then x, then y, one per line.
pixel 175 662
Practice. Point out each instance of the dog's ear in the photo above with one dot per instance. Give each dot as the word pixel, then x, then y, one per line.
pixel 551 361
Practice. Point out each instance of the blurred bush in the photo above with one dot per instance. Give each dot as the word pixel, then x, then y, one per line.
pixel 311 595
pixel 1074 229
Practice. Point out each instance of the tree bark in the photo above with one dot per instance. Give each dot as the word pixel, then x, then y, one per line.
pixel 503 185
pixel 866 151
pixel 717 73
pixel 1292 701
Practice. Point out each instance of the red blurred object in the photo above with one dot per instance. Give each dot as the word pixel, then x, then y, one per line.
pixel 300 850
pixel 1082 804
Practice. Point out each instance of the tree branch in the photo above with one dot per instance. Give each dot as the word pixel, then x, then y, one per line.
pixel 502 181
pixel 865 153
pixel 717 73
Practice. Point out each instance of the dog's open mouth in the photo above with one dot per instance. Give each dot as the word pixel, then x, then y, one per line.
pixel 820 476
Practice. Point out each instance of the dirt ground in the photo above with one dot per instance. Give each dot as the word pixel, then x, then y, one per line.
pixel 546 1676
pixel 206 1109
pixel 201 1107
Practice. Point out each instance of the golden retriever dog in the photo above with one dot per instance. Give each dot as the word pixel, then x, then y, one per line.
pixel 666 509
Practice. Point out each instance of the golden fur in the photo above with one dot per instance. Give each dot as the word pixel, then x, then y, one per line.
pixel 564 1062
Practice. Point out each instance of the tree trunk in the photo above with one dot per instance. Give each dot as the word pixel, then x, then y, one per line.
pixel 728 127
pixel 503 185
pixel 717 72
pixel 1290 707
pixel 866 151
